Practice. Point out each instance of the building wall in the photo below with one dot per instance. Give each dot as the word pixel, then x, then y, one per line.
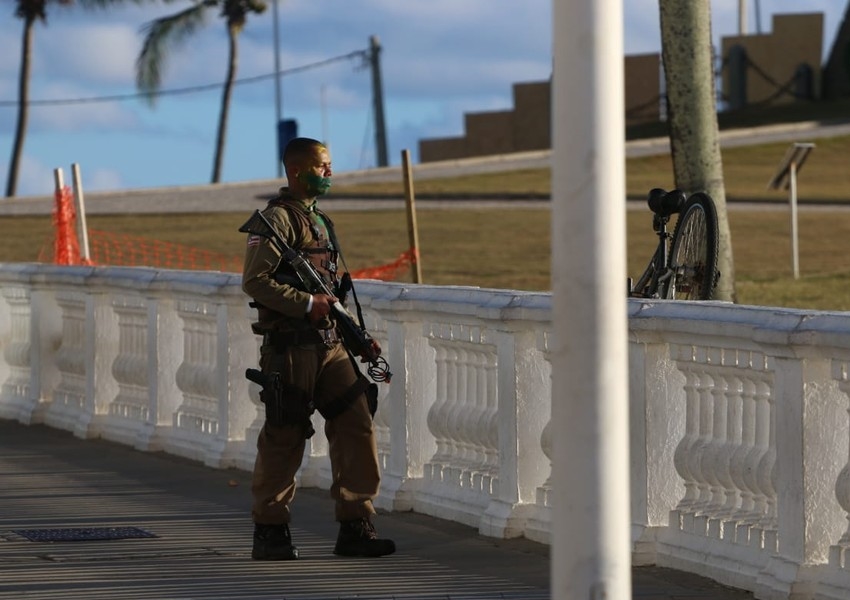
pixel 527 125
pixel 773 58
pixel 795 39
pixel 836 73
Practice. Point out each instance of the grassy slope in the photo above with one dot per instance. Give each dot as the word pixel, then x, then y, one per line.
pixel 509 248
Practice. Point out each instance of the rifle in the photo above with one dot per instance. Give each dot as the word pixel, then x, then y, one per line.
pixel 354 336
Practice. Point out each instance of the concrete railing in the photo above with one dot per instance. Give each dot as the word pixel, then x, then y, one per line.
pixel 740 435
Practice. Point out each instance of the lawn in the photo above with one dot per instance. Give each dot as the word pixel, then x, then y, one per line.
pixel 510 248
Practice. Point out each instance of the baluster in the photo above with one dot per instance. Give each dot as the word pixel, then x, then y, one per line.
pixel 697 453
pixel 712 462
pixel 681 456
pixel 456 421
pixel 70 358
pixel 767 464
pixel 130 366
pixel 762 447
pixel 436 418
pixel 196 376
pixel 744 456
pixel 734 441
pixel 17 351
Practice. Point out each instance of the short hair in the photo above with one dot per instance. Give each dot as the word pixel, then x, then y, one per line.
pixel 298 148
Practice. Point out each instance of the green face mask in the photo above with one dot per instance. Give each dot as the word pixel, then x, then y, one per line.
pixel 316 185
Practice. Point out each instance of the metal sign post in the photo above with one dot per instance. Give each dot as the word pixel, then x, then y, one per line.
pixel 786 177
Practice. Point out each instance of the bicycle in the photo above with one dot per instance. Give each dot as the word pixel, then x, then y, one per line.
pixel 684 266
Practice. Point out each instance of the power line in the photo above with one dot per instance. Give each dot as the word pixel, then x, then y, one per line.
pixel 186 90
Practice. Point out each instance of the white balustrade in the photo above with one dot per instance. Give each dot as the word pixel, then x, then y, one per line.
pixel 739 416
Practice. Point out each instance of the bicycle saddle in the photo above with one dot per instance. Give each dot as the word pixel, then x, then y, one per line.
pixel 664 203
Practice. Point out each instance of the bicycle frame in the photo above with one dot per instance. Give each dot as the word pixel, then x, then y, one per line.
pixel 655 279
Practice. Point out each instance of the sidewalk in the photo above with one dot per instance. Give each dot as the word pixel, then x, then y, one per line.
pixel 201 528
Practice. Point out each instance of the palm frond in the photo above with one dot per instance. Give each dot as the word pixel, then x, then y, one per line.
pixel 161 35
pixel 112 3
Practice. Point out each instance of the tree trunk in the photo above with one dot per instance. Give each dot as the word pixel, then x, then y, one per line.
pixel 232 34
pixel 692 117
pixel 23 108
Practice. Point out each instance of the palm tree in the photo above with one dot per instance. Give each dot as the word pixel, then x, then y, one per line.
pixel 31 11
pixel 171 30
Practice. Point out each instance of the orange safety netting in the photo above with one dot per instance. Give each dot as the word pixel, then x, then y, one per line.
pixel 129 250
pixel 389 271
pixel 66 248
pixel 107 248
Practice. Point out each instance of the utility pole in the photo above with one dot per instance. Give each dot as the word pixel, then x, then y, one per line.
pixel 742 17
pixel 378 102
pixel 277 95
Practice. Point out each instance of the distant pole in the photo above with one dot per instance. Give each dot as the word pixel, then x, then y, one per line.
pixel 792 194
pixel 326 140
pixel 378 102
pixel 742 17
pixel 278 98
pixel 591 528
pixel 412 228
pixel 786 177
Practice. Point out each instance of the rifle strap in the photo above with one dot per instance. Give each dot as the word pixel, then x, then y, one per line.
pixel 335 242
pixel 339 405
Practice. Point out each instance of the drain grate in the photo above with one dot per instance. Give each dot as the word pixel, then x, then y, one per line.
pixel 83 534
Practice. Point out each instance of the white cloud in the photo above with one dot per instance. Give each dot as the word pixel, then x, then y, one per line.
pixel 10 52
pixel 34 178
pixel 94 53
pixel 81 116
pixel 102 180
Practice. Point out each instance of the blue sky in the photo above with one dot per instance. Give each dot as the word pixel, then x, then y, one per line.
pixel 440 59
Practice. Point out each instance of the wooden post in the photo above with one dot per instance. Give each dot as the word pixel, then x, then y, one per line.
pixel 412 229
pixel 79 200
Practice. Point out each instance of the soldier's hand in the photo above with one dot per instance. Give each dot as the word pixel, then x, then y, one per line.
pixel 373 351
pixel 322 304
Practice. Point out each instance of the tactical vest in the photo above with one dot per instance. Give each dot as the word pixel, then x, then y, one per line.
pixel 313 239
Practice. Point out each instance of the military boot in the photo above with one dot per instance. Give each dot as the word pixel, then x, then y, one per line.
pixel 359 538
pixel 273 542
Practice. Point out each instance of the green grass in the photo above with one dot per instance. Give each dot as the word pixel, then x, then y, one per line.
pixel 746 170
pixel 510 248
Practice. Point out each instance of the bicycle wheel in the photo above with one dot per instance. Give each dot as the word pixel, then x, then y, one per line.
pixel 693 251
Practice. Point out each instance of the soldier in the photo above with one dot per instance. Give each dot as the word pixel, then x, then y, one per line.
pixel 303 352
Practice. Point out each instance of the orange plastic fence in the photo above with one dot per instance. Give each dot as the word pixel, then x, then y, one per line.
pixel 390 271
pixel 106 248
pixel 66 248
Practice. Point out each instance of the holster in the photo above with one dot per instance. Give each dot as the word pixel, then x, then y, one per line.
pixel 285 405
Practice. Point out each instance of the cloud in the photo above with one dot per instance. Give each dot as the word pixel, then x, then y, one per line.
pixel 10 52
pixel 94 116
pixel 34 178
pixel 88 54
pixel 102 180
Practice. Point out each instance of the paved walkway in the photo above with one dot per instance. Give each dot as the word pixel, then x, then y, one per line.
pixel 50 480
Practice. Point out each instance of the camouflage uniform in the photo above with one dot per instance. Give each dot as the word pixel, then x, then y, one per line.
pixel 314 367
